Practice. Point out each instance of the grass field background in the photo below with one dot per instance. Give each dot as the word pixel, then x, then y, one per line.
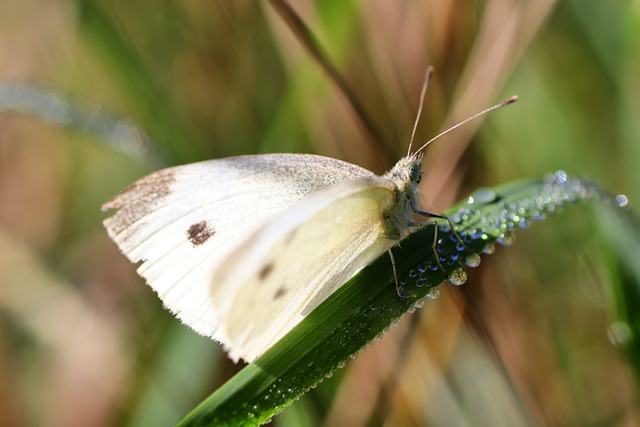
pixel 534 337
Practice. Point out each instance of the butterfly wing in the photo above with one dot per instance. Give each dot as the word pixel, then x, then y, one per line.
pixel 182 222
pixel 290 266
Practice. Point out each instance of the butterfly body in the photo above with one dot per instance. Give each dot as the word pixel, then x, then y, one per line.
pixel 405 175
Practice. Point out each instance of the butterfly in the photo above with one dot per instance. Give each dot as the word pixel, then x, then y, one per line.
pixel 241 249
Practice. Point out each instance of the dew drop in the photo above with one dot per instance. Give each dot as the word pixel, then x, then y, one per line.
pixel 434 293
pixel 473 260
pixel 419 303
pixel 482 196
pixel 525 222
pixel 560 176
pixel 507 239
pixel 402 293
pixel 619 333
pixel 621 200
pixel 458 277
pixel 548 179
pixel 489 249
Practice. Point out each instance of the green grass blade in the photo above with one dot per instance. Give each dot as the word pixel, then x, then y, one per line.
pixel 140 80
pixel 368 304
pixel 621 228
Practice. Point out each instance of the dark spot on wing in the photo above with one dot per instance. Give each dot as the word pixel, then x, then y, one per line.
pixel 265 271
pixel 280 292
pixel 199 233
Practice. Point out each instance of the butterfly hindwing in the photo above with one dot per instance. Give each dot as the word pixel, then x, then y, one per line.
pixel 296 261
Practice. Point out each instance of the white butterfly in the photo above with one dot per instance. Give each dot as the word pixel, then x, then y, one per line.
pixel 242 249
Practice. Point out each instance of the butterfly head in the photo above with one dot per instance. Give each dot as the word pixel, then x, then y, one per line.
pixel 407 173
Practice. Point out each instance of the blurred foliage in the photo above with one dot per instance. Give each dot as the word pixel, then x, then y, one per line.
pixel 524 342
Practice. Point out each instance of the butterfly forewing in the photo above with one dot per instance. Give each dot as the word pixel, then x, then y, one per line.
pixel 183 222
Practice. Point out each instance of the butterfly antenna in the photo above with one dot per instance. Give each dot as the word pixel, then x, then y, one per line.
pixel 425 85
pixel 504 103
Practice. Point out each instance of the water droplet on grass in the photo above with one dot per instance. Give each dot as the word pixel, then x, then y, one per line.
pixel 619 333
pixel 482 196
pixel 621 200
pixel 473 260
pixel 561 176
pixel 434 293
pixel 507 239
pixel 489 249
pixel 458 277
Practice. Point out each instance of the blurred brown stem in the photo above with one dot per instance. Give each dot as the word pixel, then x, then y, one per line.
pixel 372 134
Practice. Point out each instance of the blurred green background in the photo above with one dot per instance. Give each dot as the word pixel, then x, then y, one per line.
pixel 533 338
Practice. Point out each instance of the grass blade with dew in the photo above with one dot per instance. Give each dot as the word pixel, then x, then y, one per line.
pixel 621 228
pixel 364 308
pixel 38 103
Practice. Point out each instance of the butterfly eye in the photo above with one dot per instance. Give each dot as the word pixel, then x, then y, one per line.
pixel 416 174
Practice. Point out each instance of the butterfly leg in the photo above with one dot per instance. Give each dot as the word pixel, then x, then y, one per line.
pixel 395 277
pixel 395 273
pixel 434 248
pixel 453 229
pixel 434 244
